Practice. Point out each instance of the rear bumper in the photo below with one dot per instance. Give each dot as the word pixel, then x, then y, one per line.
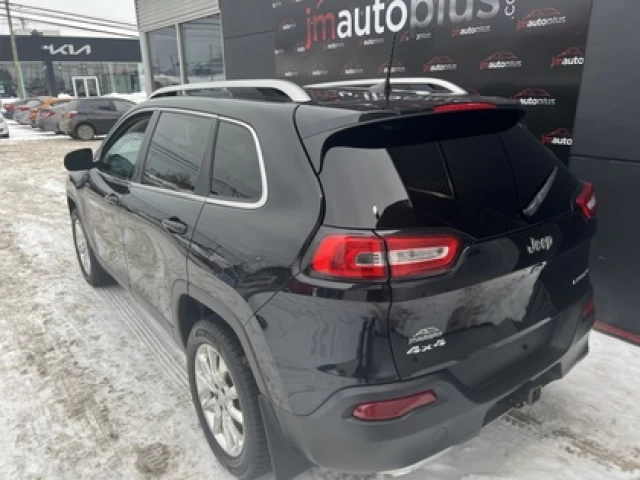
pixel 330 437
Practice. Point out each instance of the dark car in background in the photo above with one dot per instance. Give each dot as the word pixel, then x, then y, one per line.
pixel 359 282
pixel 49 118
pixel 87 117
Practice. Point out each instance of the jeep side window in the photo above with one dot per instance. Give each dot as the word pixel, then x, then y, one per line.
pixel 236 168
pixel 176 151
pixel 121 157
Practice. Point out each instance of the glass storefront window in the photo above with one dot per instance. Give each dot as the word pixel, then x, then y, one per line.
pixel 34 75
pixel 165 61
pixel 8 86
pixel 202 40
pixel 113 77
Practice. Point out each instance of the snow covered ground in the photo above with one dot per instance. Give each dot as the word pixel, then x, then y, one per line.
pixel 90 388
pixel 26 132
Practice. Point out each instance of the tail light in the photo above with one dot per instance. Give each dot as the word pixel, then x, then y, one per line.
pixel 72 114
pixel 396 408
pixel 587 201
pixel 370 257
pixel 350 257
pixel 22 109
pixel 409 256
pixel 9 107
pixel 460 107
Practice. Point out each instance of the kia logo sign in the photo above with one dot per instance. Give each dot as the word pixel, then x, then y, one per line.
pixel 67 49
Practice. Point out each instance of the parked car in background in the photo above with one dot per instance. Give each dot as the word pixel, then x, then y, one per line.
pixel 22 113
pixel 46 104
pixel 9 107
pixel 361 282
pixel 85 118
pixel 49 119
pixel 4 128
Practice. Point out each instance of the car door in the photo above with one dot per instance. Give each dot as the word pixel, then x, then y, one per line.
pixel 161 209
pixel 103 115
pixel 107 184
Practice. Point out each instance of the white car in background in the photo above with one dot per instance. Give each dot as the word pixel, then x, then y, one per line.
pixel 4 128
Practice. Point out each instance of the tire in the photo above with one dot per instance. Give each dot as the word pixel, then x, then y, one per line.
pixel 253 459
pixel 91 269
pixel 84 132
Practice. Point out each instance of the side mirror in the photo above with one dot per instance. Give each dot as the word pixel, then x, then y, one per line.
pixel 79 160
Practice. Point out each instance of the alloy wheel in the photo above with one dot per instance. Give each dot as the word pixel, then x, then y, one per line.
pixel 219 400
pixel 85 132
pixel 82 246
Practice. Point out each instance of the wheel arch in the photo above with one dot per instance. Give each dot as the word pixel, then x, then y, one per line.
pixel 186 303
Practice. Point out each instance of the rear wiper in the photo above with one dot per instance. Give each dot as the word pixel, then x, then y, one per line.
pixel 539 198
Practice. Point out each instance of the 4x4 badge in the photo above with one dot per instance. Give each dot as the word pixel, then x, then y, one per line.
pixel 425 348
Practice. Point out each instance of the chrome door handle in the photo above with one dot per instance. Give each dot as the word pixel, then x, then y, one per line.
pixel 174 225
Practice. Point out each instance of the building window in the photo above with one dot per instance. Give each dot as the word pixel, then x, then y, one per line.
pixel 165 61
pixel 33 74
pixel 112 77
pixel 202 40
pixel 8 85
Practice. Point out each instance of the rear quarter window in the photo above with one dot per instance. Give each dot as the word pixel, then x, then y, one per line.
pixel 236 164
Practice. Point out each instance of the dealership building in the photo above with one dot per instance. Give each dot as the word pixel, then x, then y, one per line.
pixel 52 65
pixel 571 63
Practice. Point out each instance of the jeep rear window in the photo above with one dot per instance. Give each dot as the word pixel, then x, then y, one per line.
pixel 482 181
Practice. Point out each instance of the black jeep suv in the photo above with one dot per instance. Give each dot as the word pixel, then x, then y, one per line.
pixel 359 281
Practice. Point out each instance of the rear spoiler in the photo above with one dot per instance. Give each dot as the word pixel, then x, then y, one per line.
pixel 387 128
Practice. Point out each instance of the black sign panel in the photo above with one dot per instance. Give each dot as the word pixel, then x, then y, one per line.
pixel 71 49
pixel 529 50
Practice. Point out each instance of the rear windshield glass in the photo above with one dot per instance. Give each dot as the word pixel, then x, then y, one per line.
pixel 481 180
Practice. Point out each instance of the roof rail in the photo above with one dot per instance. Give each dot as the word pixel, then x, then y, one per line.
pixel 379 82
pixel 290 89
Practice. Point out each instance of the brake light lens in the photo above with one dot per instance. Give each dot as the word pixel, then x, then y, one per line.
pixel 461 107
pixel 587 201
pixel 392 409
pixel 370 257
pixel 350 257
pixel 22 109
pixel 10 107
pixel 72 114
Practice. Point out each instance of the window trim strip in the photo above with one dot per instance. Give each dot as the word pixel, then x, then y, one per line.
pixel 214 201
